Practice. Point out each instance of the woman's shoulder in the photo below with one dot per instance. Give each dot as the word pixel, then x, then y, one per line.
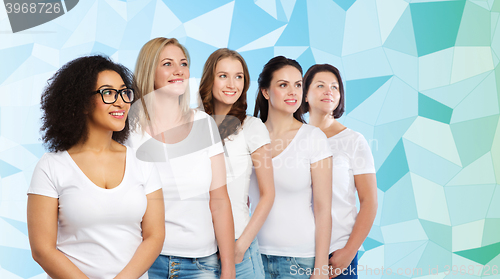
pixel 199 114
pixel 310 130
pixel 251 121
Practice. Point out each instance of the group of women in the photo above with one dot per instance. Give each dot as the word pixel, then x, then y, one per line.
pixel 139 185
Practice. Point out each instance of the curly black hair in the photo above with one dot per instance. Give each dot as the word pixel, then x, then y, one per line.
pixel 66 101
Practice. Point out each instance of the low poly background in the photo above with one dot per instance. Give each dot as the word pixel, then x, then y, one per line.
pixel 421 85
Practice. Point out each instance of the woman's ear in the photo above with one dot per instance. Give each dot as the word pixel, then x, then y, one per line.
pixel 265 93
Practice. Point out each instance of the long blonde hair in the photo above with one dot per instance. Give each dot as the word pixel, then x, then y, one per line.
pixel 145 69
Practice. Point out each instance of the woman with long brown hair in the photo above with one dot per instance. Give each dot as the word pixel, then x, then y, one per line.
pixel 223 89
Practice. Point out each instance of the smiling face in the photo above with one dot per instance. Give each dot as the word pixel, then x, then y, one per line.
pixel 110 117
pixel 323 95
pixel 172 71
pixel 229 81
pixel 285 91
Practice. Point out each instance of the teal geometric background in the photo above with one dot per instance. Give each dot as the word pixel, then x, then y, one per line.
pixel 421 82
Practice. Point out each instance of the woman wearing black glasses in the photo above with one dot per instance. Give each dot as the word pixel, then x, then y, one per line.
pixel 94 210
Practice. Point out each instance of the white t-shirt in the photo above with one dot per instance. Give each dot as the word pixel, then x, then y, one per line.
pixel 351 156
pixel 289 229
pixel 186 174
pixel 99 229
pixel 251 136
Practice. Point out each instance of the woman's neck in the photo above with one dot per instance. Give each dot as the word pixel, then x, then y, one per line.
pixel 97 141
pixel 321 120
pixel 279 122
pixel 326 122
pixel 167 113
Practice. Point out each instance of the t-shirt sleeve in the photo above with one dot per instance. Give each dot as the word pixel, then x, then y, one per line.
pixel 319 146
pixel 362 157
pixel 256 134
pixel 42 180
pixel 153 181
pixel 216 147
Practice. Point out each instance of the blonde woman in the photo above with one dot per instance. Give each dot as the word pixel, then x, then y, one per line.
pixel 186 147
pixel 223 90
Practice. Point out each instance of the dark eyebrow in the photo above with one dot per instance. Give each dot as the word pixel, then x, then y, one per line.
pixel 282 80
pixel 111 87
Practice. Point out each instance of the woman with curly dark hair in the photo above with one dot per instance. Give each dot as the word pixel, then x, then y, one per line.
pixel 94 210
pixel 223 88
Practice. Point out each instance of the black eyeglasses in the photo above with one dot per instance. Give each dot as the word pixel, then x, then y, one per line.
pixel 109 96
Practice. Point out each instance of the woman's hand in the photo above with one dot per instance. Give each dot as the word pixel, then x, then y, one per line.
pixel 340 260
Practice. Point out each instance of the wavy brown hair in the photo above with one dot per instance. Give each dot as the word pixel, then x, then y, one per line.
pixel 237 113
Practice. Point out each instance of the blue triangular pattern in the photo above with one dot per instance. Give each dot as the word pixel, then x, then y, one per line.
pixel 370 243
pixel 7 169
pixel 400 196
pixel 439 233
pixel 103 49
pixel 36 149
pixel 434 256
pixel 108 16
pixel 389 134
pixel 478 195
pixel 249 23
pixel 345 4
pixel 306 59
pixel 19 262
pixel 280 11
pixel 199 57
pixel 256 59
pixel 402 38
pixel 393 169
pixel 135 30
pixel 12 58
pixel 328 17
pixel 394 252
pixel 296 32
pixel 189 9
pixel 360 89
pixel 474 138
pixel 436 168
pixel 436 24
pixel 20 226
pixel 432 109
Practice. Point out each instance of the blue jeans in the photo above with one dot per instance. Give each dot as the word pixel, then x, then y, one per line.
pixel 277 267
pixel 352 270
pixel 251 267
pixel 169 267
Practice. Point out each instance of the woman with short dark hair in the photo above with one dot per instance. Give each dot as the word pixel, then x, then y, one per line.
pixel 353 168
